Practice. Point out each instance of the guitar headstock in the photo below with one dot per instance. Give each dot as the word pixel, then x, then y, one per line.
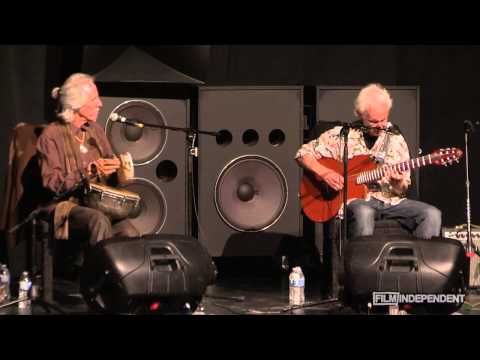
pixel 446 156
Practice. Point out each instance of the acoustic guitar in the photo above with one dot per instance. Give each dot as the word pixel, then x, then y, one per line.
pixel 321 203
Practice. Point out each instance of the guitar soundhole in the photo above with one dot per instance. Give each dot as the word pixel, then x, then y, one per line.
pixel 327 192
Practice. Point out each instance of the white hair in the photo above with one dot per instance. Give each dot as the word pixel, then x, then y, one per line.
pixel 71 96
pixel 372 94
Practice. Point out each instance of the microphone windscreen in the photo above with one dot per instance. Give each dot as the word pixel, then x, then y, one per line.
pixel 114 117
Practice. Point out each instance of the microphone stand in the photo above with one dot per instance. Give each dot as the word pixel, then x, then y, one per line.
pixel 192 151
pixel 156 126
pixel 471 249
pixel 344 134
pixel 191 138
pixel 343 232
pixel 58 197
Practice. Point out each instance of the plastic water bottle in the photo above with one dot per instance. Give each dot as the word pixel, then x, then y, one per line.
pixel 24 286
pixel 296 287
pixel 35 292
pixel 5 280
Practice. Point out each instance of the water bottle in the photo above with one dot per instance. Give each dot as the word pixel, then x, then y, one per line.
pixel 393 310
pixel 296 286
pixel 36 287
pixel 24 286
pixel 5 281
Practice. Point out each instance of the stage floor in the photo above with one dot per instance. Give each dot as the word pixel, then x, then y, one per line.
pixel 254 288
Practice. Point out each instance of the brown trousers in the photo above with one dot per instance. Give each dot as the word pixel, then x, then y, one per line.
pixel 91 225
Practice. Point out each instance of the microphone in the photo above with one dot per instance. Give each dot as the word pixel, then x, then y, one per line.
pixel 393 129
pixel 358 126
pixel 346 126
pixel 118 118
pixel 469 126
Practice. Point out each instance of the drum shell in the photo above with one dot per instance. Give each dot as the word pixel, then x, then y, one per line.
pixel 116 207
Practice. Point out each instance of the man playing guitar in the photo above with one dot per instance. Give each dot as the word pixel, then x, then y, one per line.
pixel 385 198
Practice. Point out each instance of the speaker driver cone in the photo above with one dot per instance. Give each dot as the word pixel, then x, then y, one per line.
pixel 152 212
pixel 251 193
pixel 145 144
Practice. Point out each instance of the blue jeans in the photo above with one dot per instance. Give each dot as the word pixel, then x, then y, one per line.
pixel 422 220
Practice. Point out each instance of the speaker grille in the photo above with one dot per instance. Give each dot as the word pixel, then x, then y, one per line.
pixel 152 211
pixel 144 144
pixel 251 193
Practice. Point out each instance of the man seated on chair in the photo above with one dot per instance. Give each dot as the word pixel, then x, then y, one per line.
pixel 70 149
pixel 385 199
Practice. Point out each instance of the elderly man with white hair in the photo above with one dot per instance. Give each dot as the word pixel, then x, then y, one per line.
pixel 69 149
pixel 385 199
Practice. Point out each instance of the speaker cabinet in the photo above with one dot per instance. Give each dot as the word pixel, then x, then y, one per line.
pixel 248 179
pixel 159 157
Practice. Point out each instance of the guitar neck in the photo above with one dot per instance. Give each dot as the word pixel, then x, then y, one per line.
pixel 366 177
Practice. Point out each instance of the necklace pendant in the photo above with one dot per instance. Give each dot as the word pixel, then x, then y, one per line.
pixel 83 149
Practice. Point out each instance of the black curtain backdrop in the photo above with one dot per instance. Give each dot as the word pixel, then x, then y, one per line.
pixel 447 76
pixel 449 94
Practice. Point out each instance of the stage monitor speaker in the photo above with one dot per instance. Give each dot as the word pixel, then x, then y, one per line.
pixel 151 274
pixel 404 265
pixel 159 157
pixel 248 179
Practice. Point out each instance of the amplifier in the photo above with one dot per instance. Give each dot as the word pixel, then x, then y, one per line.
pixel 459 233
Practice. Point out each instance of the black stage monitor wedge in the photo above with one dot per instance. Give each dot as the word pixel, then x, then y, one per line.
pixel 151 274
pixel 406 265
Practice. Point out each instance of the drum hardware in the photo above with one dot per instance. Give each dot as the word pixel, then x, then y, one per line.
pixel 117 204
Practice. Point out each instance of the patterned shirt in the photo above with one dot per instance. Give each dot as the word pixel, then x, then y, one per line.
pixel 389 147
